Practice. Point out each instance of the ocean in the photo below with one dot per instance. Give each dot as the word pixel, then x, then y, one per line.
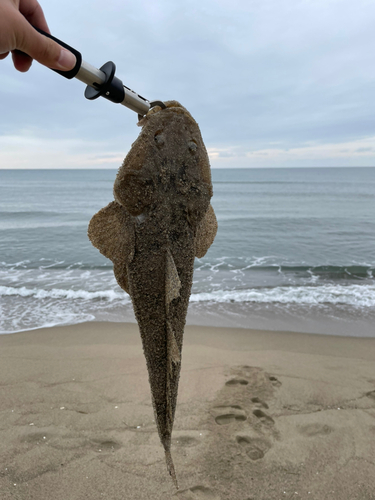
pixel 295 250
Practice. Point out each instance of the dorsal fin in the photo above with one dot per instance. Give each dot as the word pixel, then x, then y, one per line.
pixel 172 280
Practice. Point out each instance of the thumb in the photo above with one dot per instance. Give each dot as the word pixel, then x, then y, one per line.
pixel 44 50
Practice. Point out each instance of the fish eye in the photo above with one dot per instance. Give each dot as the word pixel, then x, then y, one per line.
pixel 159 138
pixel 193 146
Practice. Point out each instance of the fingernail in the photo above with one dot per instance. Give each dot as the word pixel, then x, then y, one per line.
pixel 67 60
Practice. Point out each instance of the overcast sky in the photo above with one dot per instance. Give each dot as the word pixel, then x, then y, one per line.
pixel 271 83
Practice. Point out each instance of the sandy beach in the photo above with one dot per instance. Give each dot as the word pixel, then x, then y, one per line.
pixel 261 416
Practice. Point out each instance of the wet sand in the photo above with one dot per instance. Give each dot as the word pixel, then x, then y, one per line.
pixel 260 416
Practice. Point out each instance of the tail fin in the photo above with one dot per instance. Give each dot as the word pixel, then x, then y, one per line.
pixel 172 291
pixel 170 466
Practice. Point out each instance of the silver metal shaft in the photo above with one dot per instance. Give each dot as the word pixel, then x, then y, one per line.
pixel 90 75
pixel 135 102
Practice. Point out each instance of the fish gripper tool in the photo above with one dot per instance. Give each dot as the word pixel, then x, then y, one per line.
pixel 103 82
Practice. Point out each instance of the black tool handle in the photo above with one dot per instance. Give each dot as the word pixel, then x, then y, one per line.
pixel 103 82
pixel 71 73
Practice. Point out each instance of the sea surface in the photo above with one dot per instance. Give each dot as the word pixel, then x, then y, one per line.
pixel 295 250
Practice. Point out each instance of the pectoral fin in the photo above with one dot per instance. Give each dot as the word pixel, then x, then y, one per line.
pixel 111 232
pixel 206 233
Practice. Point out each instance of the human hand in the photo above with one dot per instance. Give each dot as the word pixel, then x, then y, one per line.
pixel 17 34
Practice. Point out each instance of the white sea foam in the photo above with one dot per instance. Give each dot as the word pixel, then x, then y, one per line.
pixel 47 322
pixel 353 295
pixel 27 308
pixel 56 293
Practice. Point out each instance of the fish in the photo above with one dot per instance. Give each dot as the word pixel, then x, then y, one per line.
pixel 160 220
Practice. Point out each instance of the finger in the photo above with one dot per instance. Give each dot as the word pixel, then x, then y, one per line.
pixel 44 50
pixel 21 61
pixel 33 12
pixel 4 55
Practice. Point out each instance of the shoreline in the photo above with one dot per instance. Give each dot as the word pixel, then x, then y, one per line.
pixel 228 338
pixel 244 316
pixel 260 414
pixel 290 338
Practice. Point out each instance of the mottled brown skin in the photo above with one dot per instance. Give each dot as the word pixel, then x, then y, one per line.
pixel 160 221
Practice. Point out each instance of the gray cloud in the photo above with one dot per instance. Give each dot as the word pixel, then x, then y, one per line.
pixel 260 75
pixel 364 150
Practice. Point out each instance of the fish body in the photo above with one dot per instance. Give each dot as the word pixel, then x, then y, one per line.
pixel 160 221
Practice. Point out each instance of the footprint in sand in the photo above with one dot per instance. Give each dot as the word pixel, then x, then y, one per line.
pixel 263 417
pixel 106 445
pixel 255 448
pixel 274 381
pixel 311 430
pixel 197 493
pixel 35 437
pixel 237 381
pixel 185 441
pixel 229 414
pixel 371 394
pixel 259 402
pixel 188 439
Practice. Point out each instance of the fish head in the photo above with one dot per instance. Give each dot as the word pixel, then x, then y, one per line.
pixel 169 154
